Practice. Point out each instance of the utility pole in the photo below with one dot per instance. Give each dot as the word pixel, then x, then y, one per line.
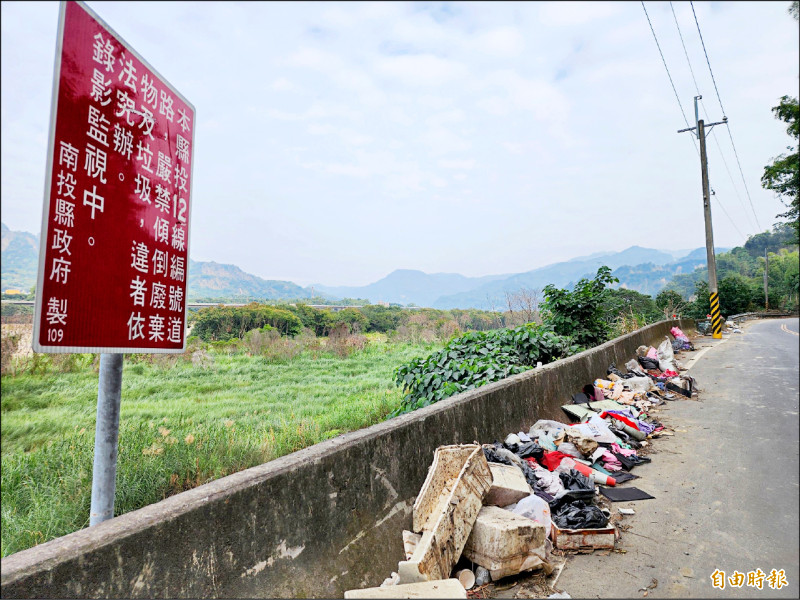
pixel 716 318
pixel 766 280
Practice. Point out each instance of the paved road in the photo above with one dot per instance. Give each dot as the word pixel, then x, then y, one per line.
pixel 726 485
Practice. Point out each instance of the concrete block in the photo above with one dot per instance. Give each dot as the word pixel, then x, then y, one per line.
pixel 505 543
pixel 508 485
pixel 442 588
pixel 445 509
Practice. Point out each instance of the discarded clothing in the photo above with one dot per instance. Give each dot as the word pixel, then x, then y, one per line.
pixel 549 482
pixel 623 419
pixel 628 462
pixel 551 460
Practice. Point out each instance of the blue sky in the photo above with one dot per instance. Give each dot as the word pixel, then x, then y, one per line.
pixel 336 142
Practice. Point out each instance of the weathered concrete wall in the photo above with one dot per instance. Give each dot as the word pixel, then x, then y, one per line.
pixel 312 524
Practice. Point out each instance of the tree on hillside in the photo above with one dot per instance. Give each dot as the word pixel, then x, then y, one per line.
pixel 670 302
pixel 783 175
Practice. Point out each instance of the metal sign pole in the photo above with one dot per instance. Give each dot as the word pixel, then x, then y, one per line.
pixel 104 473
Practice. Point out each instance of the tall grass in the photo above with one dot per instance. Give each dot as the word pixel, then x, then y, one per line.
pixel 183 423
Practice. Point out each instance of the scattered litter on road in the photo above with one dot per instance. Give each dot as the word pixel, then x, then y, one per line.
pixel 492 515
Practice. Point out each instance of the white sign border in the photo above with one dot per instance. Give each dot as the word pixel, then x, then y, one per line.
pixel 48 184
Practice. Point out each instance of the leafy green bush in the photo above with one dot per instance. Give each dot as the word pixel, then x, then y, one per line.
pixel 579 313
pixel 477 358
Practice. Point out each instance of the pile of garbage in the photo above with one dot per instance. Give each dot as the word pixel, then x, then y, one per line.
pixel 489 511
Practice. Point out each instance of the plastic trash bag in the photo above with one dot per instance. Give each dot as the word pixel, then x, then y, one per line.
pixel 648 363
pixel 544 440
pixel 639 384
pixel 570 449
pixel 652 353
pixel 666 357
pixel 552 428
pixel 579 515
pixel 523 449
pixel 677 333
pixel 613 370
pixel 578 485
pixel 533 507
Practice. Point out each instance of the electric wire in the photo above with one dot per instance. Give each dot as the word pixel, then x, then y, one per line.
pixel 663 60
pixel 697 89
pixel 683 112
pixel 736 154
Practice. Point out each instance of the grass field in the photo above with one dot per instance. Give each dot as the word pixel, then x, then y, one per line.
pixel 181 426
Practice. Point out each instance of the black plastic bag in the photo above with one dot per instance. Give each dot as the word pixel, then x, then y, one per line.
pixel 526 449
pixel 579 515
pixel 648 363
pixel 578 485
pixel 530 449
pixel 613 370
pixel 492 456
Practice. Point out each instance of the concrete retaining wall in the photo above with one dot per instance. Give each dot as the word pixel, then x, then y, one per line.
pixel 312 524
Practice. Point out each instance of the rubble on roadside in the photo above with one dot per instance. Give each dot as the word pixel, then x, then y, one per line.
pixel 490 515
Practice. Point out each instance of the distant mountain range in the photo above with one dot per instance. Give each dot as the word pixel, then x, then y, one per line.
pixel 642 269
pixel 20 259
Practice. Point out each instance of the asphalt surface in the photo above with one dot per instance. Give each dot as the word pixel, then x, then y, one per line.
pixel 726 485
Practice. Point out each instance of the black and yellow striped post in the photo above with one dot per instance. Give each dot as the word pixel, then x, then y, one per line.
pixel 716 317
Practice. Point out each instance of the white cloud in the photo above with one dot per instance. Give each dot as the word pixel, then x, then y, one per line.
pixel 495 105
pixel 283 85
pixel 538 96
pixel 420 69
pixel 572 14
pixel 502 42
pixel 467 164
pixel 439 141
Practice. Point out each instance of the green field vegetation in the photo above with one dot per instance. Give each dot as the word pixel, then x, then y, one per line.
pixel 185 420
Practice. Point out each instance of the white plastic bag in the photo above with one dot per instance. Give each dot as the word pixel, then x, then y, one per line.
pixel 535 508
pixel 639 384
pixel 666 357
pixel 569 449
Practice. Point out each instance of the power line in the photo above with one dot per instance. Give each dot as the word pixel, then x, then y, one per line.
pixel 733 183
pixel 719 203
pixel 683 112
pixel 684 51
pixel 697 88
pixel 663 60
pixel 741 172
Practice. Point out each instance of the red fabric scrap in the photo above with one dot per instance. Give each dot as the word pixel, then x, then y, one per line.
pixel 551 460
pixel 625 420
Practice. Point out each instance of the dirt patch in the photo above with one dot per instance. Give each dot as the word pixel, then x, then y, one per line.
pixel 25 334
